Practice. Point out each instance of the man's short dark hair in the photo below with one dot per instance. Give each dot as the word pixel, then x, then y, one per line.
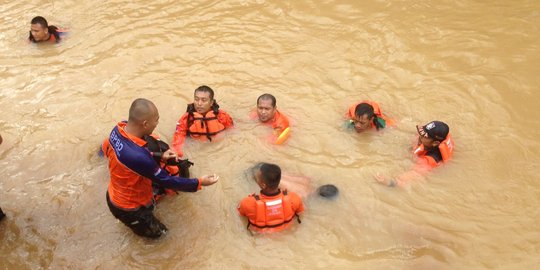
pixel 40 20
pixel 271 174
pixel 140 109
pixel 204 88
pixel 364 108
pixel 267 97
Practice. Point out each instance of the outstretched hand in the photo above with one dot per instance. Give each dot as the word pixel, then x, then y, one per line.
pixel 207 180
pixel 381 179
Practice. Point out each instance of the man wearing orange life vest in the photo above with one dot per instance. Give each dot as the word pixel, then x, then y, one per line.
pixel 268 114
pixel 133 170
pixel 367 115
pixel 41 31
pixel 434 147
pixel 203 119
pixel 273 209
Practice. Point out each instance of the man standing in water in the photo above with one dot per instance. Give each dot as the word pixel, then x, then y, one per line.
pixel 41 31
pixel 268 114
pixel 203 119
pixel 133 169
pixel 434 147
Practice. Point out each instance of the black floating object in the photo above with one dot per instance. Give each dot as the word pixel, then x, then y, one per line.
pixel 328 191
pixel 2 215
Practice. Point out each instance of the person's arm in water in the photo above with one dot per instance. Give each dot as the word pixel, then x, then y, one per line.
pixel 225 119
pixel 404 179
pixel 180 134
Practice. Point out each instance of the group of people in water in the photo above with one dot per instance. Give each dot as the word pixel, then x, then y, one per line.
pixel 143 168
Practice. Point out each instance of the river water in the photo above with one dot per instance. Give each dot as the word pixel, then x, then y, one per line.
pixel 472 64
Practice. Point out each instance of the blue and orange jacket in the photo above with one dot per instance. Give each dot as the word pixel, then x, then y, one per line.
pixel 132 170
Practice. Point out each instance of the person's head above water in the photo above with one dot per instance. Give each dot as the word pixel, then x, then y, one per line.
pixel 143 117
pixel 266 107
pixel 39 29
pixel 363 117
pixel 433 133
pixel 268 176
pixel 203 99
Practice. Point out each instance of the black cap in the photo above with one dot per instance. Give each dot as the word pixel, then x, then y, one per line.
pixel 436 130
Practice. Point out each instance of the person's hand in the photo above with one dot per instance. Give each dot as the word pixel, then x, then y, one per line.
pixel 381 179
pixel 169 154
pixel 207 180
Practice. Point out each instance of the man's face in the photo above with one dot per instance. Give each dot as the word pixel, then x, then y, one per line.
pixel 362 123
pixel 39 32
pixel 202 102
pixel 265 110
pixel 424 139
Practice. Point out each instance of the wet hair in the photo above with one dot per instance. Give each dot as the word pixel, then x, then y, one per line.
pixel 364 108
pixel 40 20
pixel 271 174
pixel 53 30
pixel 204 88
pixel 140 109
pixel 267 97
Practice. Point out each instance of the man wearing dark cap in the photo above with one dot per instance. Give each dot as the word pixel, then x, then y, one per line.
pixel 435 147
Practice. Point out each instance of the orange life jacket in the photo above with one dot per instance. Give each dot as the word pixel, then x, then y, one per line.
pixel 446 148
pixel 376 109
pixel 207 125
pixel 273 215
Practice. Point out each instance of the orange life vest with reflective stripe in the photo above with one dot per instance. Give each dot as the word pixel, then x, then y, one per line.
pixel 376 110
pixel 446 148
pixel 272 215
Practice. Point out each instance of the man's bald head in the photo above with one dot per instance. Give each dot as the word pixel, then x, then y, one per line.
pixel 141 109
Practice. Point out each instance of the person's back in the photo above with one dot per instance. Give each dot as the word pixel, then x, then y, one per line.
pixel 273 209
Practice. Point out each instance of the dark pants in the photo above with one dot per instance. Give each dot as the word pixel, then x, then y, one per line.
pixel 142 221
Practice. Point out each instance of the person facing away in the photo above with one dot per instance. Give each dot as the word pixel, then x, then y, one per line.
pixel 133 169
pixel 367 115
pixel 267 113
pixel 273 209
pixel 203 119
pixel 433 148
pixel 41 31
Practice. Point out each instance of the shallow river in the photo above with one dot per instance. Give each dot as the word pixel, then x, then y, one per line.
pixel 472 64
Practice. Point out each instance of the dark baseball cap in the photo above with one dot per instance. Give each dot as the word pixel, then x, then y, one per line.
pixel 436 130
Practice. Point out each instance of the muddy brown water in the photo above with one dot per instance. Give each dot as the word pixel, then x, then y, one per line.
pixel 472 64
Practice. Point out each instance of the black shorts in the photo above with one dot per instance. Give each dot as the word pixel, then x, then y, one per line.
pixel 142 221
